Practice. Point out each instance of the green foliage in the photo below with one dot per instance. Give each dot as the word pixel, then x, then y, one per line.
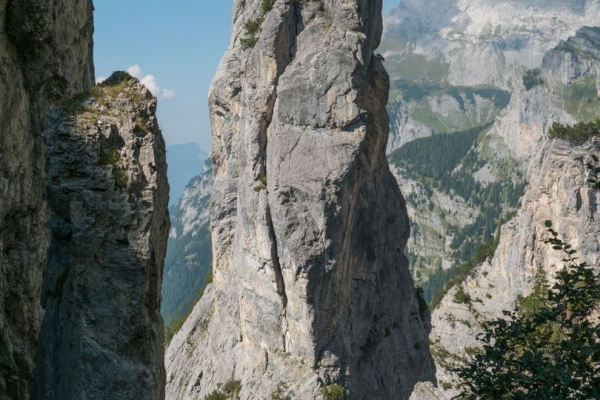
pixel 263 183
pixel 227 391
pixel 120 176
pixel 579 131
pixel 532 77
pixel 73 104
pixel 266 6
pixel 549 348
pixel 249 42
pixel 448 163
pixel 188 266
pixel 461 297
pixel 253 27
pixel 175 324
pixel 279 392
pixel 333 392
pixel 111 157
pixel 594 170
pixel 140 126
pixel 440 283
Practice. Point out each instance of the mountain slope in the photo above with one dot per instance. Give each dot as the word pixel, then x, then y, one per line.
pixel 189 251
pixel 462 67
pixel 557 191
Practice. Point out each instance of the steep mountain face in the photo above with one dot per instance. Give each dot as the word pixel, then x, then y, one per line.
pixel 487 42
pixel 189 251
pixel 185 162
pixel 106 180
pixel 45 54
pixel 311 287
pixel 557 190
pixel 458 86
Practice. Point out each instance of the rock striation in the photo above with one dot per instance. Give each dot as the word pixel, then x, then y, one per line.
pixel 102 333
pixel 311 287
pixel 45 55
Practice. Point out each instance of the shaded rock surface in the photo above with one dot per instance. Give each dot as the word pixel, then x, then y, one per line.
pixel 45 55
pixel 102 333
pixel 311 286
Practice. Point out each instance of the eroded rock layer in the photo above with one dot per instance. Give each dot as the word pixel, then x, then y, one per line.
pixel 311 287
pixel 45 54
pixel 102 334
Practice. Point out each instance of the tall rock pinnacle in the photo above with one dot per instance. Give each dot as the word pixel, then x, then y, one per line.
pixel 106 182
pixel 311 288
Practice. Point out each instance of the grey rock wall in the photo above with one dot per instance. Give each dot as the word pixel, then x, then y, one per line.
pixel 311 286
pixel 45 54
pixel 102 333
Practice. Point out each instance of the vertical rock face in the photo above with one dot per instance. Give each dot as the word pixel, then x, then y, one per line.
pixel 102 334
pixel 311 286
pixel 45 54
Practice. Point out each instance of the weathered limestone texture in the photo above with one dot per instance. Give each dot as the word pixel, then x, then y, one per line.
pixel 557 191
pixel 45 54
pixel 311 286
pixel 102 334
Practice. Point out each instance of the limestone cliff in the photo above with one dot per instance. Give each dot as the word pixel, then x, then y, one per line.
pixel 556 191
pixel 45 54
pixel 106 182
pixel 457 65
pixel 311 286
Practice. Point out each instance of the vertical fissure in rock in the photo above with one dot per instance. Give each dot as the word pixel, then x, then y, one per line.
pixel 278 276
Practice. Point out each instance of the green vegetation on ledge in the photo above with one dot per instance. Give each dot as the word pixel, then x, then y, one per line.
pixel 579 131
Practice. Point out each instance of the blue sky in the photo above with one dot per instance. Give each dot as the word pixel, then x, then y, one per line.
pixel 175 48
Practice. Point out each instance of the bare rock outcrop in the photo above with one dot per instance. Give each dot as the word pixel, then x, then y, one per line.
pixel 45 55
pixel 311 287
pixel 106 182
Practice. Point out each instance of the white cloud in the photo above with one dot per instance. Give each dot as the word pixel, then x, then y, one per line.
pixel 168 94
pixel 135 71
pixel 100 79
pixel 151 82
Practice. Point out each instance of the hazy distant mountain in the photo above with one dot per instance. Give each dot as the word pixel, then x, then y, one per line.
pixel 189 254
pixel 185 162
